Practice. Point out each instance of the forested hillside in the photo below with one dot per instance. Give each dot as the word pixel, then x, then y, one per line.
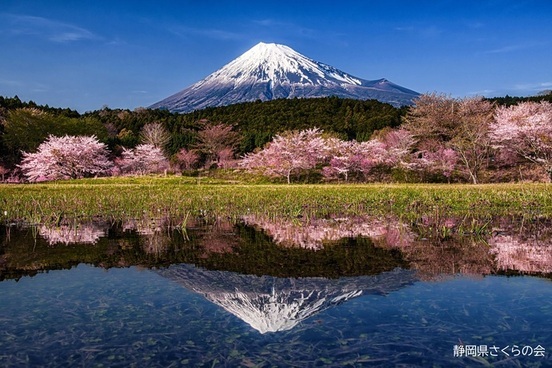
pixel 25 124
pixel 512 100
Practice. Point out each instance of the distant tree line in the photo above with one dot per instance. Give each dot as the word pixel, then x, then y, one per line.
pixel 24 125
pixel 438 139
pixel 512 100
pixel 441 138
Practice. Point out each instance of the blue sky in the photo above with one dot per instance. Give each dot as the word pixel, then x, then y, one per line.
pixel 85 54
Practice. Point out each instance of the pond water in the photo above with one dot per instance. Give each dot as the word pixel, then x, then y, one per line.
pixel 270 294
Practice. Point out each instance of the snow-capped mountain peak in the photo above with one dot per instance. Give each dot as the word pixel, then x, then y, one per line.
pixel 270 62
pixel 269 71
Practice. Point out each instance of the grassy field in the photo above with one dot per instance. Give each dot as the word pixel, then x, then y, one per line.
pixel 182 197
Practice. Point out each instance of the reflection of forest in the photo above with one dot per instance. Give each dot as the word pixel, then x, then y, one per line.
pixel 330 247
pixel 433 245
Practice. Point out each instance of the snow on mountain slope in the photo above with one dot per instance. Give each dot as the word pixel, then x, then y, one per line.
pixel 271 71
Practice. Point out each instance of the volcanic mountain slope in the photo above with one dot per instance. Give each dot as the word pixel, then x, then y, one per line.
pixel 272 71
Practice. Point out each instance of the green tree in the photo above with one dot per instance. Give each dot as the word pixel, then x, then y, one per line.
pixel 26 128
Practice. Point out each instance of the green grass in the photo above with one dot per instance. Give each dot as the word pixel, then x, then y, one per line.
pixel 181 197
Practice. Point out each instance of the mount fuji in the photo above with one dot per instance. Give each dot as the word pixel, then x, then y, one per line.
pixel 272 71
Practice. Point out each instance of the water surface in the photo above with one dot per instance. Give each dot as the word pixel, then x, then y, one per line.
pixel 234 295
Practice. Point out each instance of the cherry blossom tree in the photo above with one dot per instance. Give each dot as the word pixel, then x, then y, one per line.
pixel 143 159
pixel 391 148
pixel 67 157
pixel 217 139
pixel 345 159
pixel 155 134
pixel 525 129
pixel 289 153
pixel 226 158
pixel 441 161
pixel 471 140
pixel 397 145
pixel 3 171
pixel 372 154
pixel 432 117
pixel 187 159
pixel 443 122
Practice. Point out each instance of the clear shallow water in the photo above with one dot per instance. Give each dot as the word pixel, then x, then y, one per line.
pixel 89 316
pixel 390 295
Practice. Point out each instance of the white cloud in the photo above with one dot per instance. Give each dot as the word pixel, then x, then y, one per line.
pixel 10 83
pixel 51 30
pixel 516 47
pixel 521 89
pixel 483 92
pixel 533 87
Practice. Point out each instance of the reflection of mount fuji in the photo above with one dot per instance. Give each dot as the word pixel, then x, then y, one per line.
pixel 270 304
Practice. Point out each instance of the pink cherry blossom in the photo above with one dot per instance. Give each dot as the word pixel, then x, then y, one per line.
pixel 67 157
pixel 289 153
pixel 143 159
pixel 525 129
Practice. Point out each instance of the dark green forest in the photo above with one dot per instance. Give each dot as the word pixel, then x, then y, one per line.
pixel 258 122
pixel 510 100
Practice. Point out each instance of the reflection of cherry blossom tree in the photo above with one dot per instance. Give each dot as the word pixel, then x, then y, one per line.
pixel 513 253
pixel 433 248
pixel 67 157
pixel 154 238
pixel 526 129
pixel 316 232
pixel 84 233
